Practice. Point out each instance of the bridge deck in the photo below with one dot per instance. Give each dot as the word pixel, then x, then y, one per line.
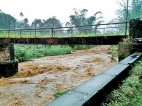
pixel 99 40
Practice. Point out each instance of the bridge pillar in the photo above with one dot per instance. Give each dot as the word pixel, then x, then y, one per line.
pixel 8 64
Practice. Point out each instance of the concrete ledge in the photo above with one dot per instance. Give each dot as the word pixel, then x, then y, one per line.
pixel 94 90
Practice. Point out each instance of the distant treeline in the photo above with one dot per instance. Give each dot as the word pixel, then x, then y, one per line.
pixel 77 19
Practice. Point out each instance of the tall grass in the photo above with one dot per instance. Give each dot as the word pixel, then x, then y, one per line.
pixel 28 52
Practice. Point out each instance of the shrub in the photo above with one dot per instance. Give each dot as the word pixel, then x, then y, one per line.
pixel 27 52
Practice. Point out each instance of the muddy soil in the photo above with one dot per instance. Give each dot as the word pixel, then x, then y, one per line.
pixel 39 79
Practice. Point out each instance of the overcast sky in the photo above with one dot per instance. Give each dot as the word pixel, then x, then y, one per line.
pixel 62 9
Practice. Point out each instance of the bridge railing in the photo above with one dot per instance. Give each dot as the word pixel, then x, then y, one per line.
pixel 71 31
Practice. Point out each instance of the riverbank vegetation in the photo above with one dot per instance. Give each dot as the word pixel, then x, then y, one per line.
pixel 130 92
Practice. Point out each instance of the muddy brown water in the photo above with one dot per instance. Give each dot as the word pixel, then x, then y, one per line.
pixel 39 79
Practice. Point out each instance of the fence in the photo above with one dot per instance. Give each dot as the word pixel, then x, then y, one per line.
pixel 73 31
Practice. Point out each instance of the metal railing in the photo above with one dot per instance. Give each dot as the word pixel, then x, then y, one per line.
pixel 72 31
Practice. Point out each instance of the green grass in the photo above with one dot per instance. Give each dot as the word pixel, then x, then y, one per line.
pixel 58 94
pixel 28 52
pixel 23 35
pixel 130 92
pixel 12 34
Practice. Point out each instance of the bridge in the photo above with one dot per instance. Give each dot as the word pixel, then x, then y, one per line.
pixel 83 35
pixel 94 90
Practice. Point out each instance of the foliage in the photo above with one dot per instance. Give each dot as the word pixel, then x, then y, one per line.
pixel 7 21
pixel 58 94
pixel 28 52
pixel 80 47
pixel 52 22
pixel 113 50
pixel 134 10
pixel 130 92
pixel 23 24
pixel 80 19
pixel 122 11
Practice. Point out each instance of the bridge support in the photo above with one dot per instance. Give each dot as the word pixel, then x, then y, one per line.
pixel 8 64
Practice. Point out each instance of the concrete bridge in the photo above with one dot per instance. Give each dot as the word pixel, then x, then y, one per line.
pixel 96 40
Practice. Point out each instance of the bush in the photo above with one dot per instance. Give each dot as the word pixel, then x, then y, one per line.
pixel 28 52
pixel 130 92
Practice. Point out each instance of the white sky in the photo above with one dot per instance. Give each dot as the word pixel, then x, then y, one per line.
pixel 62 9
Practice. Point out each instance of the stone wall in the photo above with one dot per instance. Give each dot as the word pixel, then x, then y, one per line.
pixel 4 54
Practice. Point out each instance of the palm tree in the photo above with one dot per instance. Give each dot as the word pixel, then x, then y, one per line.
pixel 79 19
pixel 21 14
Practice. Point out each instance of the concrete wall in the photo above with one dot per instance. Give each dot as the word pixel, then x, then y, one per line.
pixel 93 91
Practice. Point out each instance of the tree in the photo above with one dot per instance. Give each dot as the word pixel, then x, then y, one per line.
pixel 80 19
pixel 52 22
pixel 37 23
pixel 22 23
pixel 25 23
pixel 21 14
pixel 122 12
pixel 7 21
pixel 134 11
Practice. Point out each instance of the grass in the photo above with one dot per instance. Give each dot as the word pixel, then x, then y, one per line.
pixel 28 52
pixel 130 92
pixel 58 94
pixel 16 34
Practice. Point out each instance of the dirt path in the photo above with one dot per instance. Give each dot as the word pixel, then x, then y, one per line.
pixel 38 80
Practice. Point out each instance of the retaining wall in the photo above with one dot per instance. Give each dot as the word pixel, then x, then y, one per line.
pixel 93 91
